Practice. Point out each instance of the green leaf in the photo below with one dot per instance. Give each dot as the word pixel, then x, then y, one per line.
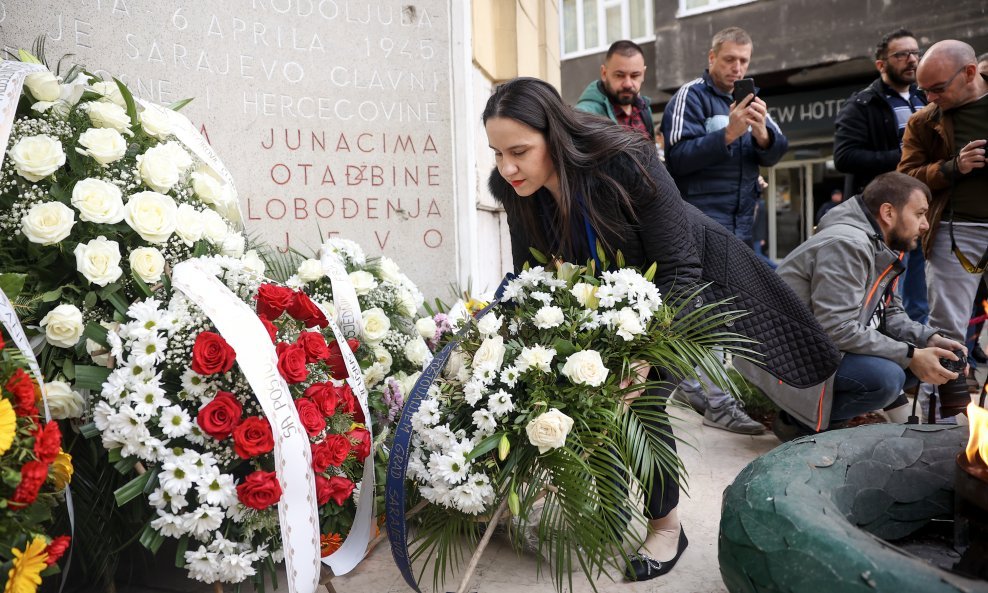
pixel 118 301
pixel 89 430
pixel 132 489
pixel 12 284
pixel 26 56
pixel 96 333
pixel 90 377
pixel 201 248
pixel 90 300
pixel 129 100
pixel 177 105
pixel 564 347
pixel 151 539
pixel 68 368
pixel 538 255
pixel 485 446
pixel 52 295
pixel 142 286
pixel 126 464
pixel 183 545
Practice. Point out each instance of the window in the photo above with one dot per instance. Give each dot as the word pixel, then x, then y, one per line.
pixel 591 26
pixel 691 7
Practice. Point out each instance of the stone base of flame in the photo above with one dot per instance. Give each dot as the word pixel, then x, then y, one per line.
pixel 822 513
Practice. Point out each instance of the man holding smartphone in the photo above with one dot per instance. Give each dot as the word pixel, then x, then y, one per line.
pixel 718 133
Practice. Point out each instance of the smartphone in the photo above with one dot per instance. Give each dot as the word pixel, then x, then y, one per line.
pixel 742 88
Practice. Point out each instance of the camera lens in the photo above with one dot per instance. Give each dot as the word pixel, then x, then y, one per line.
pixel 954 397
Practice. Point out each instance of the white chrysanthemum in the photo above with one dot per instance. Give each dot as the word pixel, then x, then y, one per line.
pixel 417 352
pixel 175 422
pixel 162 499
pixel 349 250
pixel 426 416
pixel 449 469
pixel 548 317
pixel 490 324
pixel 437 492
pixel 216 488
pixel 484 421
pixel 149 350
pixel 147 398
pixel 176 477
pixel 169 525
pixel 535 357
pixel 474 494
pixel 202 565
pixel 500 403
pixel 374 374
pixel 194 383
pixel 510 375
pixel 473 391
pixel 235 568
pixel 204 520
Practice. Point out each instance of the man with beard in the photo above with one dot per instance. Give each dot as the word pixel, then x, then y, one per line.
pixel 615 95
pixel 944 147
pixel 845 274
pixel 868 140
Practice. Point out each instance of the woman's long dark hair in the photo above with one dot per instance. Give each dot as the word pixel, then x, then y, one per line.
pixel 578 143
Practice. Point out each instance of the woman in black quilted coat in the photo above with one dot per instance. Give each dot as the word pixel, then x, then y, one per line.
pixel 567 178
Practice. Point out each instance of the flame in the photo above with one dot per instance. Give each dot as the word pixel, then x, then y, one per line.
pixel 977 443
pixel 984 305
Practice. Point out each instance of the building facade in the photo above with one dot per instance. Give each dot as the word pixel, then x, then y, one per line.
pixel 808 57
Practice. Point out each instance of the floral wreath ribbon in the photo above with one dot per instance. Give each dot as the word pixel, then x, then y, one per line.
pixel 347 324
pixel 12 75
pixel 243 330
pixel 394 494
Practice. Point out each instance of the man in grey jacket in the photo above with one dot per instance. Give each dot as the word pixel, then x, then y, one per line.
pixel 846 273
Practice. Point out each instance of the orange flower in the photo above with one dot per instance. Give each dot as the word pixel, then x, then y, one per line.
pixel 330 543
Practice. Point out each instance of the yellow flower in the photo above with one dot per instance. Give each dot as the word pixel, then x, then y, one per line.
pixel 8 425
pixel 473 305
pixel 25 576
pixel 61 469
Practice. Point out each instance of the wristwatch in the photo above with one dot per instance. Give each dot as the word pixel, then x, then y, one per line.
pixel 910 350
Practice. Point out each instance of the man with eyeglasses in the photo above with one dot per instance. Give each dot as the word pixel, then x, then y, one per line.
pixel 868 139
pixel 944 147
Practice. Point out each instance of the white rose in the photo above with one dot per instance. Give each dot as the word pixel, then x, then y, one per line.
pixel 152 215
pixel 383 357
pixel 548 317
pixel 155 123
pixel 489 324
pixel 148 263
pixel 376 324
pixel 584 294
pixel 110 92
pixel 209 190
pixel 98 201
pixel 536 357
pixel 457 367
pixel 214 228
pixel 416 351
pixel 188 224
pixel 104 145
pixel 549 430
pixel 62 401
pixel 37 157
pixel 426 327
pixel 490 355
pixel 178 154
pixel 48 223
pixel 63 326
pixel 389 270
pixel 407 303
pixel 629 324
pixel 43 85
pixel 363 282
pixel 253 262
pixel 585 368
pixel 99 260
pixel 310 270
pixel 158 168
pixel 233 245
pixel 108 115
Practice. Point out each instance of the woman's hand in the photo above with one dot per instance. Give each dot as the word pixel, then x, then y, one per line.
pixel 639 374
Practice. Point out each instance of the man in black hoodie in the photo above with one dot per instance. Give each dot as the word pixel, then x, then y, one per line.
pixel 868 139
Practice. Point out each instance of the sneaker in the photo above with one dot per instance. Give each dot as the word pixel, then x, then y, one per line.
pixel 693 398
pixel 732 417
pixel 787 429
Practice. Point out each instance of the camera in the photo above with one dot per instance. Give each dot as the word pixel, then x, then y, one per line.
pixel 954 396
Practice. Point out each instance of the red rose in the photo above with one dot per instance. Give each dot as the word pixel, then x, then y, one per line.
pixel 331 452
pixel 291 363
pixel 252 437
pixel 56 549
pixel 211 354
pixel 33 475
pixel 272 330
pixel 348 403
pixel 273 300
pixel 340 489
pixel 303 309
pixel 259 490
pixel 361 442
pixel 323 490
pixel 337 368
pixel 325 396
pixel 219 417
pixel 21 385
pixel 310 415
pixel 47 442
pixel 314 345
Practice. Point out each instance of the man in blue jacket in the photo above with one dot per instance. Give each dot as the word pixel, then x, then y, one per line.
pixel 714 148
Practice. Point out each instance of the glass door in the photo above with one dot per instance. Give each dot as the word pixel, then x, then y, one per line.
pixel 790 207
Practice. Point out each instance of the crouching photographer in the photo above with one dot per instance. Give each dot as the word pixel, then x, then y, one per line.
pixel 846 274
